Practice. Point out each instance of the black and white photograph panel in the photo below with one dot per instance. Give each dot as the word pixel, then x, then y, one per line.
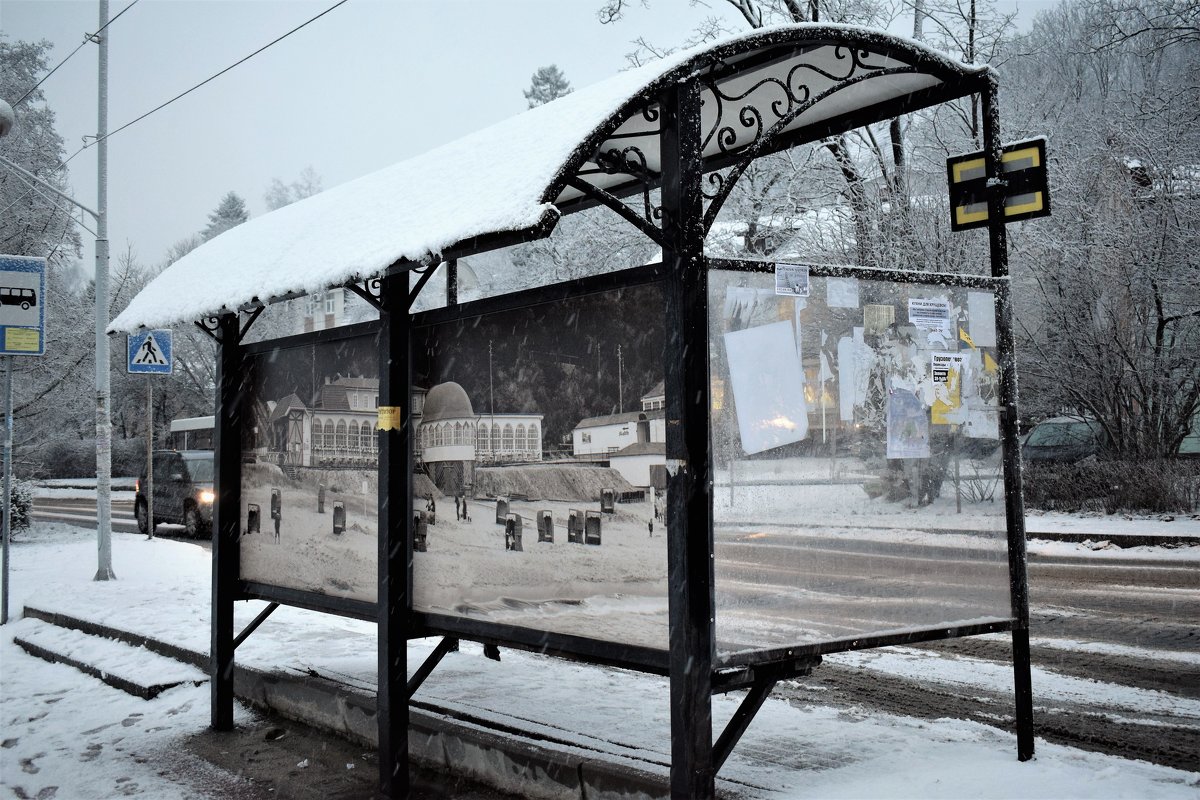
pixel 310 468
pixel 540 451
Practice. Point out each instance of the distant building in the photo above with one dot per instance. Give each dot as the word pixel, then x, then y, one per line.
pixel 633 443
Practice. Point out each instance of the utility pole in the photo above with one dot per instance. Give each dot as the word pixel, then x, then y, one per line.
pixel 620 384
pixel 104 570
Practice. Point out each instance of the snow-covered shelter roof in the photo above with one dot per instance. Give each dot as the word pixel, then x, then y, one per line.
pixel 518 176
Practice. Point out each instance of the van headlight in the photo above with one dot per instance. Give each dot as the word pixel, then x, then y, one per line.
pixel 207 496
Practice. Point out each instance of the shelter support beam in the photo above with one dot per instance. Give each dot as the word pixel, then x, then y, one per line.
pixel 740 721
pixel 689 458
pixel 448 644
pixel 395 519
pixel 226 525
pixel 1006 353
pixel 254 623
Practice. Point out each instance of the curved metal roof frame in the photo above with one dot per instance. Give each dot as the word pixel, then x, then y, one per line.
pixel 762 92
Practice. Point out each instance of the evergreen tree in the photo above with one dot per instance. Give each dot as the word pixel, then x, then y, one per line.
pixel 229 214
pixel 547 84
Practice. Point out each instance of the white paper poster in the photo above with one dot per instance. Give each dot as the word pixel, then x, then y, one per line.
pixel 930 313
pixel 791 279
pixel 981 318
pixel 854 370
pixel 768 386
pixel 841 292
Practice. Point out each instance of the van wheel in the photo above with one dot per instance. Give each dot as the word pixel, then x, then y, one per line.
pixel 194 523
pixel 140 513
pixel 25 305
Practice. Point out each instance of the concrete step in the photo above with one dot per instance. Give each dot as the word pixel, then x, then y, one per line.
pixel 131 669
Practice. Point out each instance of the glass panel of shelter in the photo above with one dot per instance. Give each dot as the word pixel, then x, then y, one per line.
pixel 858 472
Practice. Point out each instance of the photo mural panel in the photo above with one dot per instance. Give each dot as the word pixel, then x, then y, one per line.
pixel 541 460
pixel 309 515
pixel 857 461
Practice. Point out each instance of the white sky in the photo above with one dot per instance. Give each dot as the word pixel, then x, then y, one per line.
pixel 369 84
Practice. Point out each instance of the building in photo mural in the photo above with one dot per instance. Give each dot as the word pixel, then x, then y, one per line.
pixel 633 443
pixel 339 431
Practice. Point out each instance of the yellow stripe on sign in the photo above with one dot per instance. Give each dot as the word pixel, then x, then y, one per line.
pixel 1035 204
pixel 23 340
pixel 1031 155
pixel 970 213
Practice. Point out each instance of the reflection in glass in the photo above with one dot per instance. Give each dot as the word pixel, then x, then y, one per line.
pixel 887 514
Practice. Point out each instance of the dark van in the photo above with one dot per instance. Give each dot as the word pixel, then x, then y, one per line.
pixel 183 491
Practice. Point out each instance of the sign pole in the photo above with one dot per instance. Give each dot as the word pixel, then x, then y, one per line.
pixel 149 457
pixel 8 439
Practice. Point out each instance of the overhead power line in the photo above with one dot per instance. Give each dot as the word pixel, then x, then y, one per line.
pixel 213 77
pixel 91 37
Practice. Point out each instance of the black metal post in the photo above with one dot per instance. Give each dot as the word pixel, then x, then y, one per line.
pixel 395 547
pixel 452 282
pixel 689 457
pixel 1006 356
pixel 227 441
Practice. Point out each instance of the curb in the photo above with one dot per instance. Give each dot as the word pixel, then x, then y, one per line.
pixel 507 758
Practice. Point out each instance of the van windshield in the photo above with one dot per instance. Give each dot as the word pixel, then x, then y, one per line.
pixel 201 469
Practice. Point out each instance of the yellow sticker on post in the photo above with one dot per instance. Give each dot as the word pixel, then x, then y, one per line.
pixel 389 418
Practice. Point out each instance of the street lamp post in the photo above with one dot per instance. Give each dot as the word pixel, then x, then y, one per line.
pixel 104 570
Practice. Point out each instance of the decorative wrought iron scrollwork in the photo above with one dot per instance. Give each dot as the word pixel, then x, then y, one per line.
pixel 370 290
pixel 718 182
pixel 793 91
pixel 629 160
pixel 210 325
pixel 750 132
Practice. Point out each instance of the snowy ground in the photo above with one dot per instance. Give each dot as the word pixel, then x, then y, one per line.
pixel 65 730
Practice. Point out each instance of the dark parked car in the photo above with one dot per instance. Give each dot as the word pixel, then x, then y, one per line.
pixel 183 491
pixel 1065 439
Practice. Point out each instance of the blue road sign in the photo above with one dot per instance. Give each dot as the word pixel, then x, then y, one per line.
pixel 150 353
pixel 22 306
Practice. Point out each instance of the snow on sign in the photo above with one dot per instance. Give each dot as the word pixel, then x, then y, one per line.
pixel 22 306
pixel 150 353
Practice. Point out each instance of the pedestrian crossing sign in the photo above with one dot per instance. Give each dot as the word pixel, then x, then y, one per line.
pixel 150 353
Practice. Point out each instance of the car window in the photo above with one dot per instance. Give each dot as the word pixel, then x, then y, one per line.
pixel 201 469
pixel 1058 434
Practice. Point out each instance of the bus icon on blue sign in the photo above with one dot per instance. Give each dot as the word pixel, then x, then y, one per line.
pixel 22 315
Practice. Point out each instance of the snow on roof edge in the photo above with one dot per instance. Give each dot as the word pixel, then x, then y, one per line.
pixel 416 209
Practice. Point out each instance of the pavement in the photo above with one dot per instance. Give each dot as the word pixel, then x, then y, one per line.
pixel 531 726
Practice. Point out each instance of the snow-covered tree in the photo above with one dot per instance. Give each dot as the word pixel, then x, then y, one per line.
pixel 230 213
pixel 280 194
pixel 547 84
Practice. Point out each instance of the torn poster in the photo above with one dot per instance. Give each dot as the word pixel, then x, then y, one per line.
pixel 981 316
pixel 841 292
pixel 948 372
pixel 907 425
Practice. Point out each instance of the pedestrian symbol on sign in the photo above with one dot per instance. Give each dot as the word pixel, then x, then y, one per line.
pixel 150 352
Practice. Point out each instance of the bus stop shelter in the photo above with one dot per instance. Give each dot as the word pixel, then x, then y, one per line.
pixel 662 147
